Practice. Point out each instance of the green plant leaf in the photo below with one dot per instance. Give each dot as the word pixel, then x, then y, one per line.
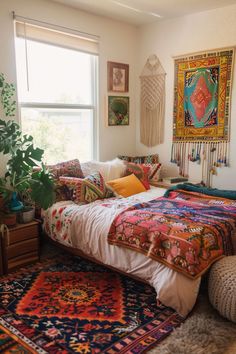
pixel 7 92
pixel 42 189
pixel 24 157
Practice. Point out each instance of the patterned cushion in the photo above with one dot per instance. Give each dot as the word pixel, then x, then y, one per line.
pixel 139 170
pixel 88 189
pixel 154 173
pixel 70 168
pixel 149 159
pixel 62 191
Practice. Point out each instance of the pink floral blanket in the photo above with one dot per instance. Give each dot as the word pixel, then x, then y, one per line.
pixel 187 231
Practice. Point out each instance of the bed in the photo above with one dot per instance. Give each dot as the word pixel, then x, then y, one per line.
pixel 85 228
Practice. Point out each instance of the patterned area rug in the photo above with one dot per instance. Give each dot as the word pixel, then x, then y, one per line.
pixel 71 305
pixel 9 345
pixel 204 332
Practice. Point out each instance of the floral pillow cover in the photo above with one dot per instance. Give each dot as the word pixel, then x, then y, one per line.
pixel 71 168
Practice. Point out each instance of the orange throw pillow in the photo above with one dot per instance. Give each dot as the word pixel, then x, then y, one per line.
pixel 126 186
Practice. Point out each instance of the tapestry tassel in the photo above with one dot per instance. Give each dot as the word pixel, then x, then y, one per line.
pixel 210 155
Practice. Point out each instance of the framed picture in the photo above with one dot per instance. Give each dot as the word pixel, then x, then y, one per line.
pixel 118 77
pixel 118 110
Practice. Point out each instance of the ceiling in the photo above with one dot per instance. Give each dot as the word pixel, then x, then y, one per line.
pixel 139 12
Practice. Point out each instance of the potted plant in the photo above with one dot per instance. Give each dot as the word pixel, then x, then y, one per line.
pixel 25 174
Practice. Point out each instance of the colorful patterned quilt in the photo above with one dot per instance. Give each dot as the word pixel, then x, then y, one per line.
pixel 187 231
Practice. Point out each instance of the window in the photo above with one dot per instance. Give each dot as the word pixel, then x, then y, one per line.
pixel 57 91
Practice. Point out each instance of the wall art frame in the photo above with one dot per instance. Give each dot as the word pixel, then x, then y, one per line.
pixel 118 110
pixel 117 77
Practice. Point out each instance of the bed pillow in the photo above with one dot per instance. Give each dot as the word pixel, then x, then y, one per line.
pixel 139 170
pixel 126 186
pixel 148 159
pixel 62 191
pixel 109 170
pixel 71 168
pixel 88 189
pixel 154 172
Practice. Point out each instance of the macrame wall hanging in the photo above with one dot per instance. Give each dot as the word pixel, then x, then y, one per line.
pixel 202 112
pixel 152 102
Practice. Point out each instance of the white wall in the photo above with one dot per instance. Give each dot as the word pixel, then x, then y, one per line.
pixel 203 31
pixel 118 42
pixel 127 44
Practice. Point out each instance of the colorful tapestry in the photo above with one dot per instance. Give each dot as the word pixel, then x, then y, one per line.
pixel 71 305
pixel 202 110
pixel 187 231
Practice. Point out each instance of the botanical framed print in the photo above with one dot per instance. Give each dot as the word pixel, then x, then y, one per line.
pixel 118 77
pixel 118 110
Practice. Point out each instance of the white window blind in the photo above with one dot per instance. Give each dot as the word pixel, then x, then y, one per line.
pixel 87 44
pixel 57 88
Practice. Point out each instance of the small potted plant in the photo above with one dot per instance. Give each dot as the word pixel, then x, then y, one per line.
pixel 25 173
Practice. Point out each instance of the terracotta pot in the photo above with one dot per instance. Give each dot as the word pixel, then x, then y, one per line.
pixel 26 215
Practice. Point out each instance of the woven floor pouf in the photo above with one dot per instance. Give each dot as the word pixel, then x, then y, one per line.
pixel 222 287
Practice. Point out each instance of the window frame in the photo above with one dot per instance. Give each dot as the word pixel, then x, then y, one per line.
pixel 94 62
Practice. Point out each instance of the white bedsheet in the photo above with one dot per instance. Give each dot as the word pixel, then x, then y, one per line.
pixel 86 227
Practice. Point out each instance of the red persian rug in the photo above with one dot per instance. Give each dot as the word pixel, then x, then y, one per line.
pixel 71 305
pixel 9 344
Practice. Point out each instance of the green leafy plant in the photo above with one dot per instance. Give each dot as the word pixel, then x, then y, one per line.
pixel 7 92
pixel 25 174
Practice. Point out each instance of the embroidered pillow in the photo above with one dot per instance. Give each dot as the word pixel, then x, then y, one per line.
pixel 126 186
pixel 154 173
pixel 88 189
pixel 149 159
pixel 70 168
pixel 139 170
pixel 62 191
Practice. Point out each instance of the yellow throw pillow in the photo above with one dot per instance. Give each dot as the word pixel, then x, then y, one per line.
pixel 126 186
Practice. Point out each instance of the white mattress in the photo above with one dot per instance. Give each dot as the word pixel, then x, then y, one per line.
pixel 86 227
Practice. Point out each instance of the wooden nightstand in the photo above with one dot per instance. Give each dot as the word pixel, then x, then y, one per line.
pixel 165 185
pixel 161 185
pixel 20 246
pixel 1 264
pixel 166 182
